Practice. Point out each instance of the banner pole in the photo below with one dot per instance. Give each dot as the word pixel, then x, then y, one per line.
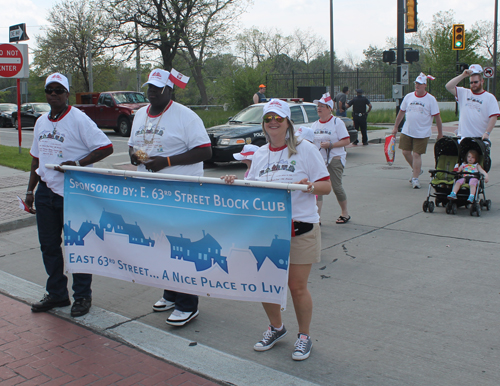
pixel 161 176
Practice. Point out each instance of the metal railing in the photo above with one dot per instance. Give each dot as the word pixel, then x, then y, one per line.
pixel 377 86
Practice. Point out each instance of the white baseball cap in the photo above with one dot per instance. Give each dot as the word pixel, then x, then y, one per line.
pixel 422 78
pixel 476 69
pixel 56 77
pixel 326 99
pixel 304 132
pixel 159 78
pixel 246 153
pixel 277 106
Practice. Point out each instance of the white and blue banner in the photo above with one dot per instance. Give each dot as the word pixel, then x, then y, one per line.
pixel 230 242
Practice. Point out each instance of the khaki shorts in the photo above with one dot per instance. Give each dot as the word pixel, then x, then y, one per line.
pixel 336 169
pixel 306 248
pixel 417 145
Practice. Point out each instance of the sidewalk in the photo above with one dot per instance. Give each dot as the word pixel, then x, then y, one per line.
pixel 44 349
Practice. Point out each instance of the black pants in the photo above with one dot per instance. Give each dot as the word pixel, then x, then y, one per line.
pixel 360 124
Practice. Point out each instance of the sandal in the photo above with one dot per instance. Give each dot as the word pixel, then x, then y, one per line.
pixel 342 219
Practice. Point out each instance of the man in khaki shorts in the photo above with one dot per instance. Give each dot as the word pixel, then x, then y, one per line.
pixel 420 109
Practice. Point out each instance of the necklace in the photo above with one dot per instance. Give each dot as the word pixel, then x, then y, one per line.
pixel 269 162
pixel 150 141
pixel 56 119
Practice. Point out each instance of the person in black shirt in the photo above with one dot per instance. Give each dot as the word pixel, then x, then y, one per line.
pixel 359 114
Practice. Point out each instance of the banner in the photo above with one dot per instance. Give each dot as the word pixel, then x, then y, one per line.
pixel 229 242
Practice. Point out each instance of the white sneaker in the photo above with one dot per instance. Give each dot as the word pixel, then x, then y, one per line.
pixel 411 178
pixel 415 184
pixel 180 318
pixel 163 305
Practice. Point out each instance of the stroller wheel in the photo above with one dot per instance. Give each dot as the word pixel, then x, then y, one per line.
pixel 481 203
pixel 454 208
pixel 488 204
pixel 448 208
pixel 425 206
pixel 472 210
pixel 431 206
pixel 478 210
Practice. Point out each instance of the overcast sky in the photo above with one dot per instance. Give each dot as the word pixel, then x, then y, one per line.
pixel 357 24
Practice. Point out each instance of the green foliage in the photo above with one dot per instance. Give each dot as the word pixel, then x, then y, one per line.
pixel 215 117
pixel 243 84
pixel 9 156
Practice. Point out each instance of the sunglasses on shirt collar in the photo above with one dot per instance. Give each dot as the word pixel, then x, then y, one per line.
pixel 269 117
pixel 58 91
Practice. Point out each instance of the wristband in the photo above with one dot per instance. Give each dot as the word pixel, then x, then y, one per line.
pixel 29 192
pixel 312 189
pixel 487 133
pixel 168 159
pixel 77 163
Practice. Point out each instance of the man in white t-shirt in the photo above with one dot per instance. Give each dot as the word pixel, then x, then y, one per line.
pixel 478 108
pixel 331 137
pixel 420 108
pixel 64 136
pixel 167 137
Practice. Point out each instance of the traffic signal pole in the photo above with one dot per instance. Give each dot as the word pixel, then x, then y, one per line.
pixel 400 50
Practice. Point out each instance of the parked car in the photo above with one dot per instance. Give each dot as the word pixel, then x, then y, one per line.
pixel 30 112
pixel 246 127
pixel 6 110
pixel 112 109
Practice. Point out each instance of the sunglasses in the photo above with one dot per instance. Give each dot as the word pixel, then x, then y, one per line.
pixel 58 91
pixel 474 82
pixel 277 118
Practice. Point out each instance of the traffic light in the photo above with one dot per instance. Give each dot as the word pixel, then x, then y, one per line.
pixel 458 37
pixel 388 57
pixel 411 16
pixel 412 56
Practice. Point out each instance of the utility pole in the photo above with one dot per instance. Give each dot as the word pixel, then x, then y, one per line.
pixel 332 81
pixel 137 54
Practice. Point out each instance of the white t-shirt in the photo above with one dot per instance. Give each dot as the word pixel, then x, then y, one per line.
pixel 420 112
pixel 69 138
pixel 475 111
pixel 333 130
pixel 175 132
pixel 275 166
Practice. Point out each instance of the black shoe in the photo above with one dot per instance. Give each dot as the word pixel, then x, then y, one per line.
pixel 365 144
pixel 81 307
pixel 47 303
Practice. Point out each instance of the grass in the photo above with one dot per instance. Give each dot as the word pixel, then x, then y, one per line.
pixel 215 117
pixel 9 156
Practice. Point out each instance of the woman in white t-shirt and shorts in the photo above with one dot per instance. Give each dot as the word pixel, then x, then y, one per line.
pixel 305 247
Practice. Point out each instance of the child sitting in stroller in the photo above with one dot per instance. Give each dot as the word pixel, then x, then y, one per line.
pixel 471 166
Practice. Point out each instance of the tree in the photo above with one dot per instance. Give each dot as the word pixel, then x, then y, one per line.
pixel 76 26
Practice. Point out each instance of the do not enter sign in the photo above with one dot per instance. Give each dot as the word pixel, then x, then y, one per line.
pixel 13 61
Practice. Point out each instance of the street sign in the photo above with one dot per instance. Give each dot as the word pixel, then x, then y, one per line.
pixel 17 33
pixel 488 72
pixel 404 74
pixel 14 61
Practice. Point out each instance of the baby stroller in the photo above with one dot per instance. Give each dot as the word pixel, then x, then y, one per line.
pixel 446 155
pixel 449 154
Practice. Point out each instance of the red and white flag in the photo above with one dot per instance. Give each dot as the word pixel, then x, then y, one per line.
pixel 22 205
pixel 178 79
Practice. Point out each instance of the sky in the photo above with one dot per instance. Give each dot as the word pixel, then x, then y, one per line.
pixel 357 24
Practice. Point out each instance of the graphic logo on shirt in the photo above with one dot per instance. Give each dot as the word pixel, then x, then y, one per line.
pixel 472 99
pixel 282 165
pixel 51 135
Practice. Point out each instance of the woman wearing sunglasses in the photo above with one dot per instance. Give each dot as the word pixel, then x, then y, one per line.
pixel 284 159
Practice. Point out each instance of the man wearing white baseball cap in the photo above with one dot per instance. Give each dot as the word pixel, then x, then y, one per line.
pixel 420 109
pixel 478 108
pixel 64 136
pixel 167 137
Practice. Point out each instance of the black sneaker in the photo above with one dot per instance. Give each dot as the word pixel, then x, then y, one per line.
pixel 47 303
pixel 81 307
pixel 303 347
pixel 271 336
